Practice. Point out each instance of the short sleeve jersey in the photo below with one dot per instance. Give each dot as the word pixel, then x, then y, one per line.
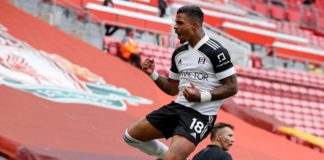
pixel 212 152
pixel 204 65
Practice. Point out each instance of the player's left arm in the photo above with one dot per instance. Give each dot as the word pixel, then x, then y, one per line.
pixel 227 89
pixel 225 72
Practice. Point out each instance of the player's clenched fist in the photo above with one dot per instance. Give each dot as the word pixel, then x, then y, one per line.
pixel 148 66
pixel 192 93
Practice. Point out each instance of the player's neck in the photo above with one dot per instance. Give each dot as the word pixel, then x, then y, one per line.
pixel 196 38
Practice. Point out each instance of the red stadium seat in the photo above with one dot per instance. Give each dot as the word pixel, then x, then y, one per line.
pixel 267 98
pixel 285 88
pixel 247 103
pixel 276 89
pixel 277 106
pixel 238 101
pixel 261 8
pixel 257 104
pixel 303 91
pixel 288 120
pixel 258 96
pixel 320 22
pixel 257 86
pixel 277 99
pixel 268 111
pixel 297 112
pixel 245 3
pixel 295 102
pixel 277 12
pixel 278 114
pixel 245 83
pixel 247 95
pixel 286 101
pixel 294 13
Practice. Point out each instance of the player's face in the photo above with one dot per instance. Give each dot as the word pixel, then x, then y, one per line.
pixel 226 137
pixel 183 27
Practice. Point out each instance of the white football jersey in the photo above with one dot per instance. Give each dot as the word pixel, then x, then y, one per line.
pixel 204 65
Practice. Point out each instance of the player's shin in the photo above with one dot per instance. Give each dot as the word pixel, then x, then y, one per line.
pixel 153 147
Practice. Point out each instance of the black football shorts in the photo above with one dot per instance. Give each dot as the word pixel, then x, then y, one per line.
pixel 176 119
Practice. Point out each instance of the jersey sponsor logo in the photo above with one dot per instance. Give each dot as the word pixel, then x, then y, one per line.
pixel 223 64
pixel 201 60
pixel 221 57
pixel 194 75
pixel 57 79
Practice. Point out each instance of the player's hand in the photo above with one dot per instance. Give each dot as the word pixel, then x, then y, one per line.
pixel 192 93
pixel 148 66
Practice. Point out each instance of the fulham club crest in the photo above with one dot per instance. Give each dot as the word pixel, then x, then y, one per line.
pixel 201 60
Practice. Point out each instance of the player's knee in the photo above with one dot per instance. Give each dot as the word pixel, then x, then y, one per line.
pixel 128 139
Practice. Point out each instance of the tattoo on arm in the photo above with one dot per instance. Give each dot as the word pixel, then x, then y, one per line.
pixel 228 88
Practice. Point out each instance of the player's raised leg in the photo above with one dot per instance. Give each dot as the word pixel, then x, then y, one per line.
pixel 144 136
pixel 180 148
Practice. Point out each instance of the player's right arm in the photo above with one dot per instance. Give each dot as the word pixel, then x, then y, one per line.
pixel 167 85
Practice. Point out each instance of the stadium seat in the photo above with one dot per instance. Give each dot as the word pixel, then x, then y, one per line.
pixel 277 12
pixel 247 103
pixel 257 104
pixel 294 16
pixel 320 22
pixel 247 95
pixel 238 101
pixel 276 89
pixel 267 98
pixel 261 7
pixel 245 3
pixel 295 102
pixel 286 101
pixel 257 86
pixel 268 111
pixel 278 113
pixel 298 122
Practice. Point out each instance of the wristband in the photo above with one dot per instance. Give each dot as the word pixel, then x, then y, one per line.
pixel 205 96
pixel 154 76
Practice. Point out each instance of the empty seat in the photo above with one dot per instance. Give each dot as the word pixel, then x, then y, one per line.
pixel 238 100
pixel 258 97
pixel 277 12
pixel 320 22
pixel 245 83
pixel 245 3
pixel 257 104
pixel 247 102
pixel 275 89
pixel 267 98
pixel 286 101
pixel 258 86
pixel 294 13
pixel 261 7
pixel 276 99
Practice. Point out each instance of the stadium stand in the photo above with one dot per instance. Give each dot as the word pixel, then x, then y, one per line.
pixel 265 32
pixel 130 18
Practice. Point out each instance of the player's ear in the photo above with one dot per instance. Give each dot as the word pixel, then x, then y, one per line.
pixel 218 138
pixel 195 25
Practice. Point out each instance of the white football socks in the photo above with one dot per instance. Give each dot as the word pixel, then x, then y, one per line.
pixel 152 147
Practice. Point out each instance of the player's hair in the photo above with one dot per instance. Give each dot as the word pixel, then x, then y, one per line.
pixel 193 12
pixel 217 127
